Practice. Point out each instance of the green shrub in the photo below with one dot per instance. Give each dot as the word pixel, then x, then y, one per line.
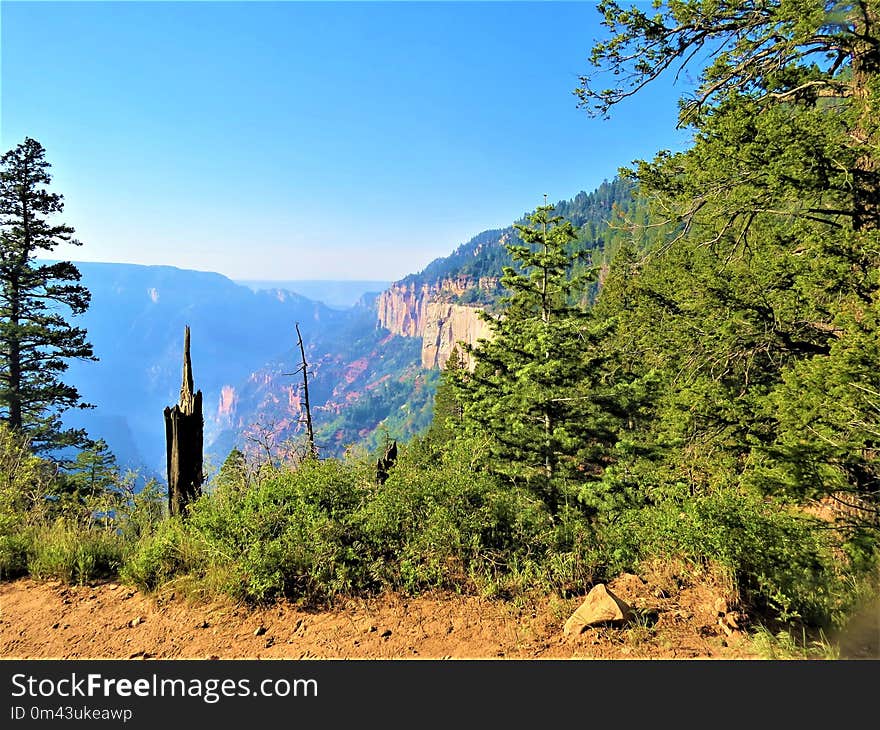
pixel 14 549
pixel 287 535
pixel 779 560
pixel 161 555
pixel 74 554
pixel 327 529
pixel 437 522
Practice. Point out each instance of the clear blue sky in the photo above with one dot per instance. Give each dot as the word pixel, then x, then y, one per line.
pixel 299 140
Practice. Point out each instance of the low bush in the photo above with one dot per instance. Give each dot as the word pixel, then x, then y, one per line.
pixel 779 560
pixel 70 553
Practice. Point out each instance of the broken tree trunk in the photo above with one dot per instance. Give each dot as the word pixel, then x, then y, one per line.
pixel 184 427
pixel 313 450
pixel 386 462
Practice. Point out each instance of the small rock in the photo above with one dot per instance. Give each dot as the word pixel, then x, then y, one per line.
pixel 203 625
pixel 721 606
pixel 55 625
pixel 724 627
pixel 135 621
pixel 373 629
pixel 730 623
pixel 385 634
pixel 600 606
pixel 259 631
pixel 212 657
pixel 112 586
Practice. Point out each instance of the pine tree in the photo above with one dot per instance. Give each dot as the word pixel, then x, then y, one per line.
pixel 532 393
pixel 774 53
pixel 758 312
pixel 94 472
pixel 35 339
pixel 448 411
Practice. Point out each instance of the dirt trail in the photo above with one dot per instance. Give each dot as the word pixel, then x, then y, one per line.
pixel 109 620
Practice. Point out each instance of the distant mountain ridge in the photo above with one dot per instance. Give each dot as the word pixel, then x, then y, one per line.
pixel 242 351
pixel 338 294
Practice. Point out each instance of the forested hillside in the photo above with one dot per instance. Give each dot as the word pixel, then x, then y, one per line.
pixel 485 255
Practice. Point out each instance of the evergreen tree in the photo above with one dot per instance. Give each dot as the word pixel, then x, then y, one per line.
pixel 94 472
pixel 532 393
pixel 35 338
pixel 233 473
pixel 448 411
pixel 773 53
pixel 756 311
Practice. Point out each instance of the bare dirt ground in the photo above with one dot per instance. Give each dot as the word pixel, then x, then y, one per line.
pixel 110 620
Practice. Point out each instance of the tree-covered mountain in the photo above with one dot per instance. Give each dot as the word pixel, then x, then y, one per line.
pixel 485 255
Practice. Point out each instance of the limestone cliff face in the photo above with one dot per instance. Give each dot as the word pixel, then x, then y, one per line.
pixel 401 309
pixel 430 312
pixel 445 326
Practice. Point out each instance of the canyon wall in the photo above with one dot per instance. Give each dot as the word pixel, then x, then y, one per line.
pixel 431 313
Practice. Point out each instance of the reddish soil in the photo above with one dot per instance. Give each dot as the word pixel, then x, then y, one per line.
pixel 109 620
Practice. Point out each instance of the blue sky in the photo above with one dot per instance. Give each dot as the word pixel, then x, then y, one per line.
pixel 297 140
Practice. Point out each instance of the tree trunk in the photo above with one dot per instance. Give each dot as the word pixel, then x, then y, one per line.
pixel 865 70
pixel 15 417
pixel 184 426
pixel 313 450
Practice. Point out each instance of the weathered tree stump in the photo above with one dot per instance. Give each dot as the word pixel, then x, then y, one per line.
pixel 184 427
pixel 384 464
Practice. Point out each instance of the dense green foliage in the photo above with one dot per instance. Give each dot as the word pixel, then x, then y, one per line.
pixel 326 528
pixel 74 525
pixel 35 339
pixel 530 393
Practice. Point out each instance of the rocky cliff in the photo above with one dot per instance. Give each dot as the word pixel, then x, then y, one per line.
pixel 435 313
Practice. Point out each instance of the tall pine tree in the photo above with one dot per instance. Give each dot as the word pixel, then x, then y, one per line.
pixel 532 394
pixel 448 410
pixel 35 338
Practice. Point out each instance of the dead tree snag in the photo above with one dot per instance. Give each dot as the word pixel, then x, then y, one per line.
pixel 384 463
pixel 313 450
pixel 184 426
